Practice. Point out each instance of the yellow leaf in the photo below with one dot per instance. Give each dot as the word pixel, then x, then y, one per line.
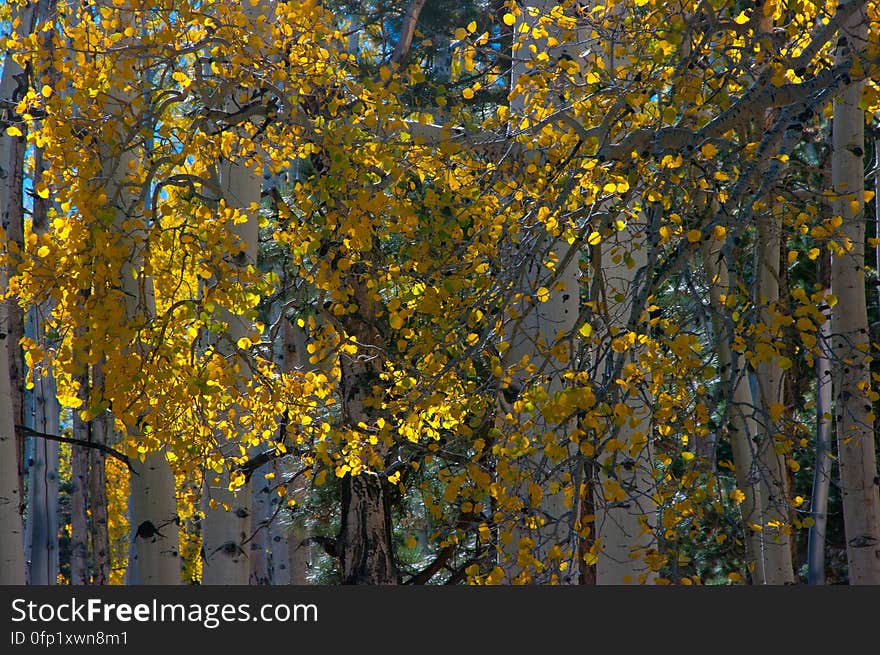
pixel 709 151
pixel 243 343
pixel 43 251
pixel 776 411
pixel 594 238
pixel 693 236
pixel 236 480
pixel 472 27
pixel 543 294
pixel 742 19
pixel 181 78
pixel 468 93
pixel 586 330
pixel 536 494
pixel 509 19
pixel 460 34
pixel 13 131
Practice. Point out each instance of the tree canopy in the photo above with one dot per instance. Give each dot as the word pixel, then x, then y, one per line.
pixel 495 276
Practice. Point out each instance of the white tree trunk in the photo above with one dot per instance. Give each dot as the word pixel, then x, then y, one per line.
pixel 850 341
pixel 12 155
pixel 538 332
pixel 624 527
pixel 531 335
pixel 300 551
pixel 12 569
pixel 278 545
pixel 823 461
pixel 79 521
pixel 154 557
pixel 11 539
pixel 154 523
pixel 42 413
pixel 224 532
pixel 773 479
pixel 258 547
pixel 741 412
pixel 295 541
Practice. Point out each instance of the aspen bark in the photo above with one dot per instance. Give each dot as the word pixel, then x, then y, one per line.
pixel 153 520
pixel 11 544
pixel 854 415
pixel 79 521
pixel 42 411
pixel 624 527
pixel 823 457
pixel 277 537
pixel 300 553
pixel 154 523
pixel 225 531
pixel 96 480
pixel 773 479
pixel 227 523
pixel 296 541
pixel 537 335
pixel 741 413
pixel 13 86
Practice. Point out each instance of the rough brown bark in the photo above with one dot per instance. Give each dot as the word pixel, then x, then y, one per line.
pixel 367 552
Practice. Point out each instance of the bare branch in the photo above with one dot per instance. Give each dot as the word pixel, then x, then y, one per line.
pixel 78 442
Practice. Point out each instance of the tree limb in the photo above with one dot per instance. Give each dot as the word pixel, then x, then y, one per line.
pixel 407 30
pixel 78 442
